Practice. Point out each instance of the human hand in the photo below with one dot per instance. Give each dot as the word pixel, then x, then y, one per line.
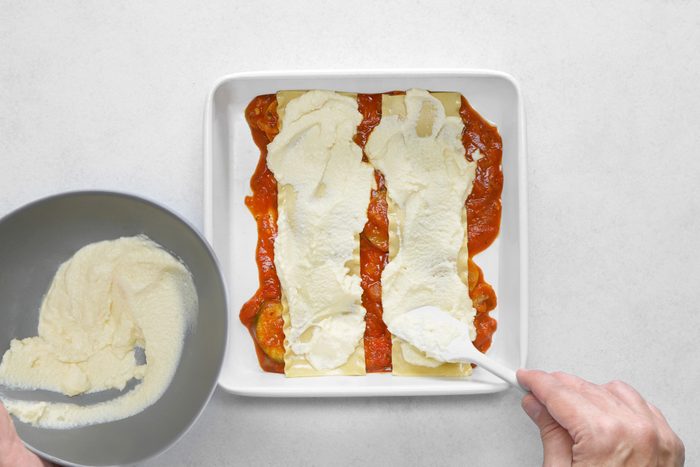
pixel 13 453
pixel 585 424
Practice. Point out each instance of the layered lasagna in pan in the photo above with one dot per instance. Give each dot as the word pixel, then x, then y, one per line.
pixel 368 206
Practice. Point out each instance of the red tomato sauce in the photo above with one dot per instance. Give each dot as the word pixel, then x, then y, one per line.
pixel 483 216
pixel 483 212
pixel 374 248
pixel 262 118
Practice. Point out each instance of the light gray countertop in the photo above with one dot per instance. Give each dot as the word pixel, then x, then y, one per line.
pixel 111 95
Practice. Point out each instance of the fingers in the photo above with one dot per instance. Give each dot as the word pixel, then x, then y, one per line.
pixel 7 432
pixel 556 441
pixel 12 450
pixel 10 445
pixel 604 422
pixel 561 397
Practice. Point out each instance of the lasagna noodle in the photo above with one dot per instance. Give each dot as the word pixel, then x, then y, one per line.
pixel 323 194
pixel 436 127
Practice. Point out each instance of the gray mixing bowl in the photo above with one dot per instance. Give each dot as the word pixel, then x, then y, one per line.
pixel 35 240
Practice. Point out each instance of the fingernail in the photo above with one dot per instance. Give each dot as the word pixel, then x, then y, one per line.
pixel 518 374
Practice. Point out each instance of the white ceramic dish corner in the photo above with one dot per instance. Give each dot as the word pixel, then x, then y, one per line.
pixel 230 157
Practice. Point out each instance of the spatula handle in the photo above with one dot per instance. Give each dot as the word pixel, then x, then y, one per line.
pixel 498 369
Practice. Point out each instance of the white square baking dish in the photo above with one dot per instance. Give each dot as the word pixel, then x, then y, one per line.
pixel 230 156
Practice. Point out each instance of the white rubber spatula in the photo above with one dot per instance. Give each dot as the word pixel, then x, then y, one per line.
pixel 445 338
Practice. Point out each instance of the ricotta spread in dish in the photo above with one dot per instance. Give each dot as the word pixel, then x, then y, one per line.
pixel 323 193
pixel 108 299
pixel 419 151
pixel 431 152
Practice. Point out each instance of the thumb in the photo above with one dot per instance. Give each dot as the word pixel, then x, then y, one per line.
pixel 12 450
pixel 555 439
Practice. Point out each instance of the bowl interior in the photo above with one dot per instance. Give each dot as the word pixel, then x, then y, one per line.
pixel 35 240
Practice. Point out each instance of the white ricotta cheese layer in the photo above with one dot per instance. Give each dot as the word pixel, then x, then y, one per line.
pixel 323 193
pixel 428 180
